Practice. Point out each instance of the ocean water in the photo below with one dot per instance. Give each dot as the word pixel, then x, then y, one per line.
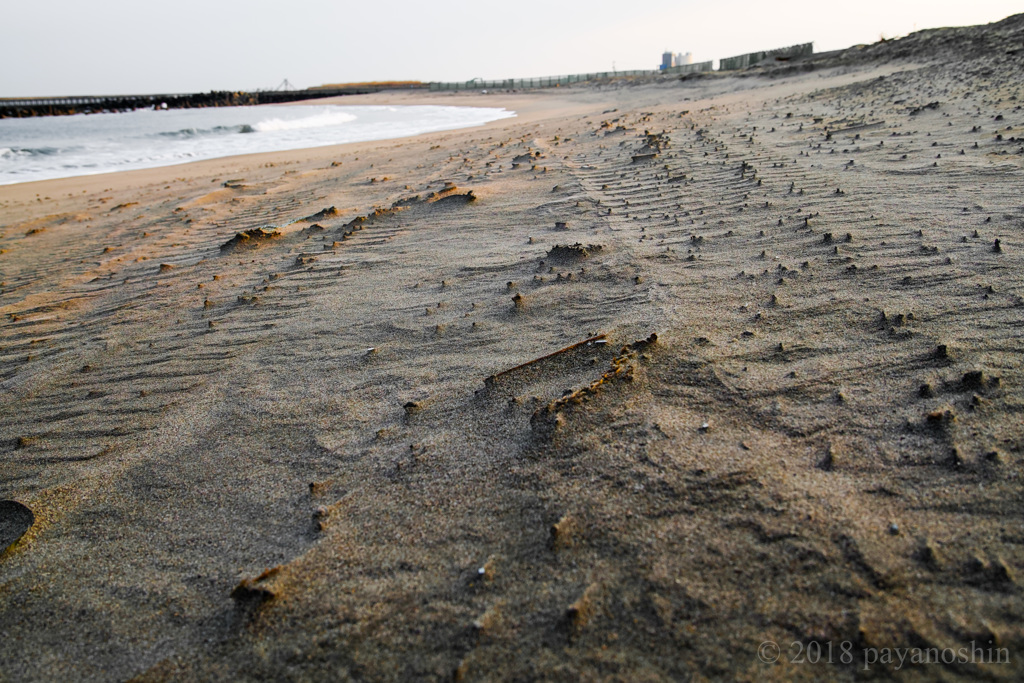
pixel 47 147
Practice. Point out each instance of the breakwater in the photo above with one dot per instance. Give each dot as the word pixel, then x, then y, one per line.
pixel 58 106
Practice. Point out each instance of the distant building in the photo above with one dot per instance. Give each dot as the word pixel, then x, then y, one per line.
pixel 669 60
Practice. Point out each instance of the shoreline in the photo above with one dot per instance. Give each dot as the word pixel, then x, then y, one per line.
pixel 236 163
pixel 529 107
pixel 320 102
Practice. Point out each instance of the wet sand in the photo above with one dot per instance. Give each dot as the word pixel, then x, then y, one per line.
pixel 394 410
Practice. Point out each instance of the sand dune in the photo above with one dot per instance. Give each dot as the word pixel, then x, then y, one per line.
pixel 394 411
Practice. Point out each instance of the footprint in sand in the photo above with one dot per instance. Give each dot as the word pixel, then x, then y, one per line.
pixel 15 520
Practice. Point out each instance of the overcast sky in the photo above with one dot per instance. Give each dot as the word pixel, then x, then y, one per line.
pixel 71 47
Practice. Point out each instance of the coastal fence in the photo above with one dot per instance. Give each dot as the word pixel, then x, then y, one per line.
pixel 556 81
pixel 542 82
pixel 699 67
pixel 782 54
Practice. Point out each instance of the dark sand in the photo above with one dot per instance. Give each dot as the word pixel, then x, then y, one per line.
pixel 280 459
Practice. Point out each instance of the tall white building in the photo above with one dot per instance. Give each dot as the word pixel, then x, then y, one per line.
pixel 669 60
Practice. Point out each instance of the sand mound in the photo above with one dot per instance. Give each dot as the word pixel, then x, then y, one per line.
pixel 251 238
pixel 321 215
pixel 573 252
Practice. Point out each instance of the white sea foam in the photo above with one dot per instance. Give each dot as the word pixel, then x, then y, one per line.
pixel 315 121
pixel 63 146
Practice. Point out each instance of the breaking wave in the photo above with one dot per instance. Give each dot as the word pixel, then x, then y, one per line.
pixel 63 146
pixel 199 132
pixel 321 120
pixel 14 152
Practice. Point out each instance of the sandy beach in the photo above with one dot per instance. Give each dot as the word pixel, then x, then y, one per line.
pixel 619 389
